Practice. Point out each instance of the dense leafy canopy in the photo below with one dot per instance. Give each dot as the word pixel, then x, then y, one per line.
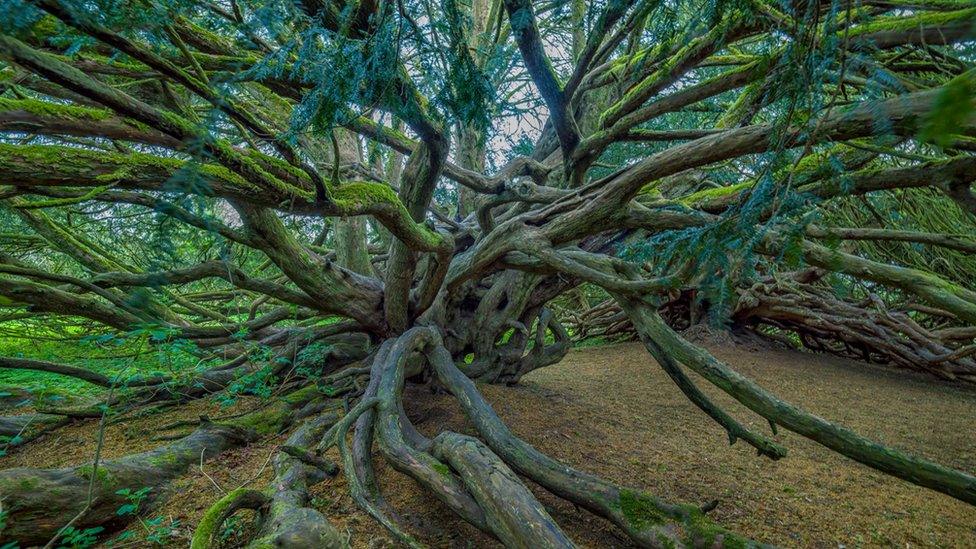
pixel 235 196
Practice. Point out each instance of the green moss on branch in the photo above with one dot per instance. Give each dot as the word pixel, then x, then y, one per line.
pixel 57 110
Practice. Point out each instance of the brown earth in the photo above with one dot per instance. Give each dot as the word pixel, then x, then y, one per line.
pixel 610 411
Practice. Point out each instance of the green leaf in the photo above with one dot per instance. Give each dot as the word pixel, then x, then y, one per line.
pixel 953 108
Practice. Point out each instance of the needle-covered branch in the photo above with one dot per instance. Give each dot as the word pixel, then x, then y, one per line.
pixel 788 168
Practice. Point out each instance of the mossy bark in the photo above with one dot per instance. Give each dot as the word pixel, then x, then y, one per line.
pixel 39 502
pixel 920 471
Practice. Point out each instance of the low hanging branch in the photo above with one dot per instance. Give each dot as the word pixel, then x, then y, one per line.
pixel 40 502
pixel 920 471
pixel 275 195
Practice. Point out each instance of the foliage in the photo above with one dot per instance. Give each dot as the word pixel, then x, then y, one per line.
pixel 953 108
pixel 258 383
pixel 73 538
pixel 212 199
pixel 134 498
pixel 160 530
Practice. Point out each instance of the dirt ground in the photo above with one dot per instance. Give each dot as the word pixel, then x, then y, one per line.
pixel 611 411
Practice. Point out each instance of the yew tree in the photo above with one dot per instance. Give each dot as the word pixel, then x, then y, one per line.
pixel 336 198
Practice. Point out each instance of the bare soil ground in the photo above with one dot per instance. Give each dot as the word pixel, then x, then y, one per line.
pixel 611 411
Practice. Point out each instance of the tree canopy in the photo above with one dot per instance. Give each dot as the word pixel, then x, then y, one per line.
pixel 329 197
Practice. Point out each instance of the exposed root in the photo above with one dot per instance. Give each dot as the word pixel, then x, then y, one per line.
pixel 474 479
pixel 31 495
pixel 424 468
pixel 290 523
pixel 514 515
pixel 40 501
pixel 94 378
pixel 541 354
pixel 214 518
pixel 910 335
pixel 647 520
pixel 163 391
pixel 13 426
pixel 357 487
pixel 604 320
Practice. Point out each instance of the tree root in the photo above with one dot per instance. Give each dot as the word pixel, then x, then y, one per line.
pixel 475 480
pixel 19 429
pixel 647 520
pixel 391 426
pixel 868 331
pixel 358 489
pixel 290 523
pixel 541 355
pixel 604 321
pixel 214 518
pixel 40 501
pixel 13 426
pixel 513 513
pixel 31 495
